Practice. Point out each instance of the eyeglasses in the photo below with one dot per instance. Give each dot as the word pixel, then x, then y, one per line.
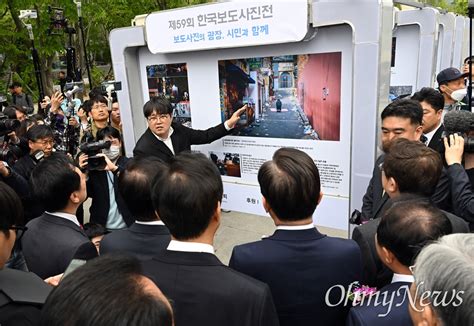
pixel 19 230
pixel 161 117
pixel 468 62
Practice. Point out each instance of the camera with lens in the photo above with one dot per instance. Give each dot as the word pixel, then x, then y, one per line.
pixel 95 162
pixel 460 122
pixel 8 125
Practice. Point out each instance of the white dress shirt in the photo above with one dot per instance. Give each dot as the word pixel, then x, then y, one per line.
pixel 402 278
pixel 150 223
pixel 167 140
pixel 65 216
pixel 295 227
pixel 430 135
pixel 176 245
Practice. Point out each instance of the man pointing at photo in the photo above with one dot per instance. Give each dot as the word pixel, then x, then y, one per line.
pixel 165 139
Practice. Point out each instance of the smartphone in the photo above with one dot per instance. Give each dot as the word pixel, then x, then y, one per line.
pixel 96 163
pixel 73 265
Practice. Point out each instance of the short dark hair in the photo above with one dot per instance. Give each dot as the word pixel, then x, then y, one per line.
pixel 159 105
pixel 431 96
pixel 108 131
pixel 186 194
pixel 93 230
pixel 404 108
pixel 108 291
pixel 53 181
pixel 16 84
pixel 290 183
pixel 11 208
pixel 135 184
pixel 415 167
pixel 37 132
pixel 408 225
pixel 96 98
pixel 467 59
pixel 95 92
pixel 10 111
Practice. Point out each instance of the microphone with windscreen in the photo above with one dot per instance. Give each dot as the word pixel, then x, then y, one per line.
pixel 460 122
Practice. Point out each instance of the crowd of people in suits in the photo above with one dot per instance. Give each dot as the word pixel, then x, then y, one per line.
pixel 147 256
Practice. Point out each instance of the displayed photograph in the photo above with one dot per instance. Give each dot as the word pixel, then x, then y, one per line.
pixel 227 163
pixel 399 92
pixel 171 81
pixel 289 96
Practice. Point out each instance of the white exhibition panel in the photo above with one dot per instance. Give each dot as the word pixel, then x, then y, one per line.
pixel 465 49
pixel 446 41
pixel 226 25
pixel 459 32
pixel 404 74
pixel 124 43
pixel 331 156
pixel 428 21
pixel 372 39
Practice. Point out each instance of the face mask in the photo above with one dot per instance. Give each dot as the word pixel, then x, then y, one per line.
pixel 459 95
pixel 112 153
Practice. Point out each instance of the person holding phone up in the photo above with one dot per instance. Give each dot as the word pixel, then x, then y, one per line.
pixel 108 207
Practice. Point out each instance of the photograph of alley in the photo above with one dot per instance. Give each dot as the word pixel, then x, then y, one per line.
pixel 291 96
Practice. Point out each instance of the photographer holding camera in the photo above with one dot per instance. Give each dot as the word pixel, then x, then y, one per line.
pixel 103 161
pixel 461 185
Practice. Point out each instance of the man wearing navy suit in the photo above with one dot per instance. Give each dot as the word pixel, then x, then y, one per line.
pixel 187 196
pixel 298 262
pixel 403 231
pixel 164 138
pixel 148 235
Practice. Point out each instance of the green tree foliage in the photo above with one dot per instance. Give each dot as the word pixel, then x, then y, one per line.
pixel 99 18
pixel 457 6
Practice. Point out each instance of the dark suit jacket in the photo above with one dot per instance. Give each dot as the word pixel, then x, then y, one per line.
pixel 182 139
pixel 436 141
pixel 142 241
pixel 374 200
pixel 462 194
pixel 98 190
pixel 22 294
pixel 206 292
pixel 21 172
pixel 396 315
pixel 375 273
pixel 50 243
pixel 300 267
